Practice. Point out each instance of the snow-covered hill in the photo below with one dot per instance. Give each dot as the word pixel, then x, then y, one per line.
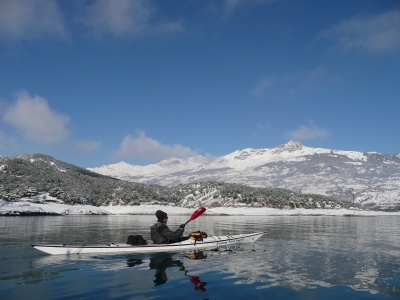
pixel 370 178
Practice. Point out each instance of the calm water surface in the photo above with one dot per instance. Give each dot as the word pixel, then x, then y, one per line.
pixel 297 258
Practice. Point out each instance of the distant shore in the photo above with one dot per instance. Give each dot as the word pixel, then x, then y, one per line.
pixel 39 209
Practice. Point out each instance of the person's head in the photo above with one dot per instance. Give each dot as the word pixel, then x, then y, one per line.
pixel 161 216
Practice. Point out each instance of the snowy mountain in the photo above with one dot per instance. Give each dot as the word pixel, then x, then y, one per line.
pixel 32 180
pixel 368 178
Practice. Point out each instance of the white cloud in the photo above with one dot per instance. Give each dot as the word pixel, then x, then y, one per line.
pixel 262 87
pixel 26 20
pixel 144 147
pixel 307 132
pixel 35 119
pixel 125 18
pixel 293 84
pixel 86 147
pixel 231 5
pixel 379 33
pixel 21 19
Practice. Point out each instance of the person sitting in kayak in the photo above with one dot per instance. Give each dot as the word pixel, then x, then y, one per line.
pixel 161 234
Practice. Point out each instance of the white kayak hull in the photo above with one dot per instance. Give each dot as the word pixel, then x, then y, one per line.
pixel 207 243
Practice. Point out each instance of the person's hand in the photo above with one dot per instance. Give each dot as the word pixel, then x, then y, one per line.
pixel 182 226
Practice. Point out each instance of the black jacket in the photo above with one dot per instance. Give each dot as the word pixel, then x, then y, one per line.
pixel 161 234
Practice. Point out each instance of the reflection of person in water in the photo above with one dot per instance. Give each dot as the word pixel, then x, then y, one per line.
pixel 160 263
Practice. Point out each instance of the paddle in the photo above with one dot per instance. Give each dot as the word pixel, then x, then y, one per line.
pixel 196 214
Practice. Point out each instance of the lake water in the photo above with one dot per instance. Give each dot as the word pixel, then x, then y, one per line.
pixel 297 258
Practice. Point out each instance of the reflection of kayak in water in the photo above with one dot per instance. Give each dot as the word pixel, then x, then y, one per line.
pixel 207 243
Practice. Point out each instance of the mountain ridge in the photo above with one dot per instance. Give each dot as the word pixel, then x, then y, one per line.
pixel 369 177
pixel 42 179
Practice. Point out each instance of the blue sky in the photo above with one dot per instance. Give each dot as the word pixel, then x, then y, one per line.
pixel 98 82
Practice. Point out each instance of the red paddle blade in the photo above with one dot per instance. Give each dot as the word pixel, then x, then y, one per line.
pixel 197 213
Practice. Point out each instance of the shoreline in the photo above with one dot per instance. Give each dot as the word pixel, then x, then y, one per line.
pixel 56 209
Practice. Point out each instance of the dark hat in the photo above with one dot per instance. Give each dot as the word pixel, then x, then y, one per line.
pixel 161 215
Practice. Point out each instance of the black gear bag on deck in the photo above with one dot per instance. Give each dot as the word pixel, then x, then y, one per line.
pixel 136 240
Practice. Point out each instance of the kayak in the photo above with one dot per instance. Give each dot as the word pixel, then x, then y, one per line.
pixel 207 243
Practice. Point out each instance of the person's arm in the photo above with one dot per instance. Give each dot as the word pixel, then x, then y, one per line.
pixel 171 235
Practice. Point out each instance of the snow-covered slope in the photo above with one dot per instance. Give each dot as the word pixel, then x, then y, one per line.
pixel 372 178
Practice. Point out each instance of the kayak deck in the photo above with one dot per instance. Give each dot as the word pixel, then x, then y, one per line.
pixel 209 242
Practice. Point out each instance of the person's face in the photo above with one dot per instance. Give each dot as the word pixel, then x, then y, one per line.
pixel 165 220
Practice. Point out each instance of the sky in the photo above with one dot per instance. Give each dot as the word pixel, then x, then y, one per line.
pixel 96 82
